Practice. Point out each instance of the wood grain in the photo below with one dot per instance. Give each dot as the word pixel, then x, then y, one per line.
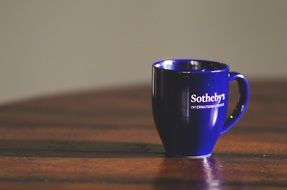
pixel 107 140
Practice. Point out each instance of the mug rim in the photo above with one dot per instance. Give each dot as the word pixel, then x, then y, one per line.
pixel 159 65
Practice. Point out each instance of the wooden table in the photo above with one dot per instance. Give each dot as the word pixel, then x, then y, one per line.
pixel 107 140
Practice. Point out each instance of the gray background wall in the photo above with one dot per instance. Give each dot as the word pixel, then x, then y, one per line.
pixel 58 45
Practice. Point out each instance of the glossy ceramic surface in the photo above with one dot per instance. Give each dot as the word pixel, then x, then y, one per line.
pixel 190 101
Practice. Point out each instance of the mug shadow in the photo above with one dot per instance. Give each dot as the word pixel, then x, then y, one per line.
pixel 185 173
pixel 95 149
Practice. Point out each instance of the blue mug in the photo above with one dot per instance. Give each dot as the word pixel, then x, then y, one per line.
pixel 190 102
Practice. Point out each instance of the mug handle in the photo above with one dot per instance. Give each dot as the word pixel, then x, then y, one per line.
pixel 242 102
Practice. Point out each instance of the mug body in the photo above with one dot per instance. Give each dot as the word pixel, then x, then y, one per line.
pixel 189 102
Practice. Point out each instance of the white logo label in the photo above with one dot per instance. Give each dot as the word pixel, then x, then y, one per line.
pixel 206 98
